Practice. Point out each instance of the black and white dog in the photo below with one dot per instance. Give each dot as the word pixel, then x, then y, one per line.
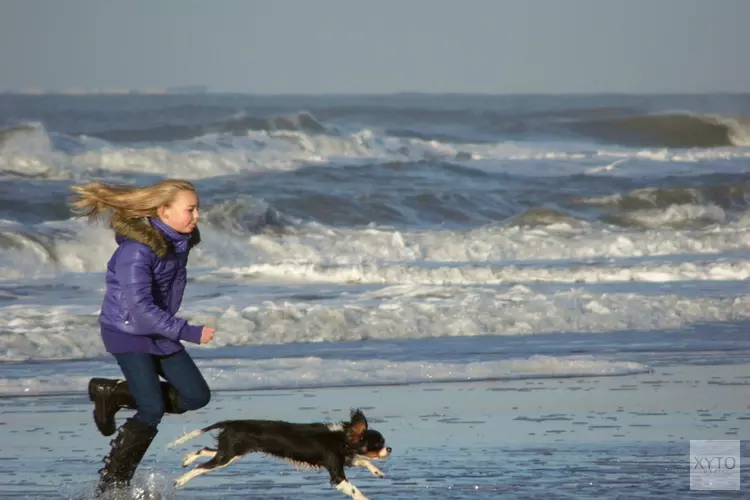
pixel 331 446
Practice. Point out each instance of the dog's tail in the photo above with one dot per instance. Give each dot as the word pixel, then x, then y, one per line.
pixel 194 434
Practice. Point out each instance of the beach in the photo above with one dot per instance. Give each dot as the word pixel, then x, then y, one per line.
pixel 608 437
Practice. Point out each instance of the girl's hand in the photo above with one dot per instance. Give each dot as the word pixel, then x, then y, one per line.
pixel 207 335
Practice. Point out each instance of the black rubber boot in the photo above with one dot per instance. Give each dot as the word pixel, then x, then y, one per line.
pixel 171 399
pixel 128 449
pixel 110 395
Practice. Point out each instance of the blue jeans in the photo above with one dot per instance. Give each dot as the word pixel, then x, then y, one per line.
pixel 142 371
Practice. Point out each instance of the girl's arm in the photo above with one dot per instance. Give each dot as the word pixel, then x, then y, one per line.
pixel 134 270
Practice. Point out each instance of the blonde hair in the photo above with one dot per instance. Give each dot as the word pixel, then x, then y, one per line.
pixel 126 202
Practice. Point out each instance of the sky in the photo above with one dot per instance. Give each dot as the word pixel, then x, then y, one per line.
pixel 378 46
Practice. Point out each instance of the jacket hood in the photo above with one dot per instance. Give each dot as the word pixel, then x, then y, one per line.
pixel 142 231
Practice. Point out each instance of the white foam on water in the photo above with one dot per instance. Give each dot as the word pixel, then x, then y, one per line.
pixel 213 156
pixel 382 274
pixel 692 155
pixel 43 250
pixel 394 312
pixel 381 255
pixel 49 332
pixel 676 215
pixel 243 374
pixel 322 245
pixel 26 252
pixel 31 153
pixel 409 312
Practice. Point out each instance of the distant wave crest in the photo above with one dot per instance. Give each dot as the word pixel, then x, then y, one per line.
pixel 669 130
pixel 238 124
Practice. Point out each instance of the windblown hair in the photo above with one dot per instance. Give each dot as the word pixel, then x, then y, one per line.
pixel 129 206
pixel 126 202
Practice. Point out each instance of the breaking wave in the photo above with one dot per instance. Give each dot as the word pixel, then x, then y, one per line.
pixel 724 195
pixel 692 206
pixel 669 130
pixel 675 130
pixel 238 125
pixel 395 312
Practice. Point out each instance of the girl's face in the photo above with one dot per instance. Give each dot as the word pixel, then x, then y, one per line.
pixel 182 214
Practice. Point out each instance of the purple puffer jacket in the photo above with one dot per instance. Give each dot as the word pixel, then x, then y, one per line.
pixel 145 280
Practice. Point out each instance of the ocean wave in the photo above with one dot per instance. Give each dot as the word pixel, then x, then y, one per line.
pixel 685 206
pixel 542 216
pixel 448 274
pixel 412 312
pixel 396 312
pixel 239 125
pixel 658 121
pixel 622 126
pixel 683 130
pixel 32 152
pixel 676 216
pixel 736 194
pixel 28 151
pixel 33 251
pixel 263 236
pixel 311 371
pixel 630 128
pixel 478 115
pixel 491 243
pixel 8 133
pixel 40 245
pixel 73 245
pixel 245 216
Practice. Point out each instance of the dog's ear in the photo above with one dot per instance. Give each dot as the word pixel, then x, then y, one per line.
pixel 357 416
pixel 357 427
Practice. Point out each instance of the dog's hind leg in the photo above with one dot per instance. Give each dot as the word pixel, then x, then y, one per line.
pixel 363 462
pixel 219 461
pixel 195 455
pixel 339 480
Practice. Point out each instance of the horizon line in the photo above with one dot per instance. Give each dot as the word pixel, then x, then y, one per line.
pixel 174 91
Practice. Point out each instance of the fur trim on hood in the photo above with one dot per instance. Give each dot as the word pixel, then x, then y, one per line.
pixel 142 231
